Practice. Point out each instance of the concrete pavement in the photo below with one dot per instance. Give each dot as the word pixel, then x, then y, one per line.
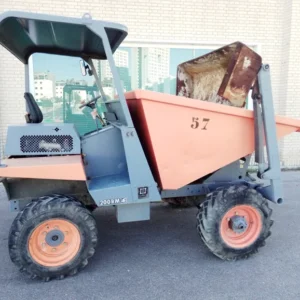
pixel 165 259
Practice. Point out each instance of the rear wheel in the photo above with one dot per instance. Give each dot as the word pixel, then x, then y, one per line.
pixel 53 237
pixel 234 222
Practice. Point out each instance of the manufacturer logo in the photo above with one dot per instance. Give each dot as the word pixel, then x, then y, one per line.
pixel 143 192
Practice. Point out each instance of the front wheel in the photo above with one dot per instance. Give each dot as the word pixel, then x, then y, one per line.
pixel 53 237
pixel 234 222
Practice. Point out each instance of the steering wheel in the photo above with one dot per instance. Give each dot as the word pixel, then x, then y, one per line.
pixel 93 101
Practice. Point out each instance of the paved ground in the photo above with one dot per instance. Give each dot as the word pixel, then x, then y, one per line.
pixel 165 259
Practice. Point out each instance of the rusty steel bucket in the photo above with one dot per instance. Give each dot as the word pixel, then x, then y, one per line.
pixel 222 76
pixel 185 139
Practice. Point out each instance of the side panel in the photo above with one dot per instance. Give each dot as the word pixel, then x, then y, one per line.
pixel 115 163
pixel 133 212
pixel 106 167
pixel 103 153
pixel 118 172
pixel 116 108
pixel 42 139
pixel 69 167
pixel 144 188
pixel 22 191
pixel 232 173
pixel 118 193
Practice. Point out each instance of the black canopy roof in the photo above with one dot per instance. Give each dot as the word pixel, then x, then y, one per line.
pixel 26 33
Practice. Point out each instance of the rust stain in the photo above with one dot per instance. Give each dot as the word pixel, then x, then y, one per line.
pixel 222 76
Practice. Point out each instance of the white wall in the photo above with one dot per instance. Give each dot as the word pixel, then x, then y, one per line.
pixel 272 24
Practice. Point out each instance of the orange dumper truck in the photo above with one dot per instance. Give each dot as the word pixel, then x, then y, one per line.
pixel 150 147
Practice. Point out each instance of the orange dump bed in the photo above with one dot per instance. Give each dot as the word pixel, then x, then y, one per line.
pixel 186 139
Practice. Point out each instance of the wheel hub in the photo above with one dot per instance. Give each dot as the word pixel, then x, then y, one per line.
pixel 54 238
pixel 238 224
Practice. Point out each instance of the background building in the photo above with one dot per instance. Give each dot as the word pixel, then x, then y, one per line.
pixel 121 60
pixel 59 87
pixel 44 85
pixel 122 63
pixel 154 64
pixel 271 27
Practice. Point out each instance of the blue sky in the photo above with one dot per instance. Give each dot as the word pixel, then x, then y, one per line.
pixel 64 67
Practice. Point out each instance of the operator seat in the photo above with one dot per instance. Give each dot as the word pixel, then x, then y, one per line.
pixel 34 113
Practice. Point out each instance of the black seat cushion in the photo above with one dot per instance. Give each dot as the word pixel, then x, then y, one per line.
pixel 35 114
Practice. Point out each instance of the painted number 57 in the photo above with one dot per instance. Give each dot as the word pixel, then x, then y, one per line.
pixel 196 123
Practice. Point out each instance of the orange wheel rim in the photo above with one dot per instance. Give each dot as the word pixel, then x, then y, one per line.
pixel 241 226
pixel 54 243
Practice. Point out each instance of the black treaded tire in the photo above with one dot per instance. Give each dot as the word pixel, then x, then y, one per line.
pixel 212 210
pixel 41 210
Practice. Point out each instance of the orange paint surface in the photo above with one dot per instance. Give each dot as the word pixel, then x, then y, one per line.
pixel 50 256
pixel 186 139
pixel 52 167
pixel 252 232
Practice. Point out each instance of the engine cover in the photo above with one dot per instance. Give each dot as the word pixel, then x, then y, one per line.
pixel 42 139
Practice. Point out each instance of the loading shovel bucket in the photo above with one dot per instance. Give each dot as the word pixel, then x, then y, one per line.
pixel 222 76
pixel 186 139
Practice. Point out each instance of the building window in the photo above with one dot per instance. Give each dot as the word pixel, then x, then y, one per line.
pixel 150 68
